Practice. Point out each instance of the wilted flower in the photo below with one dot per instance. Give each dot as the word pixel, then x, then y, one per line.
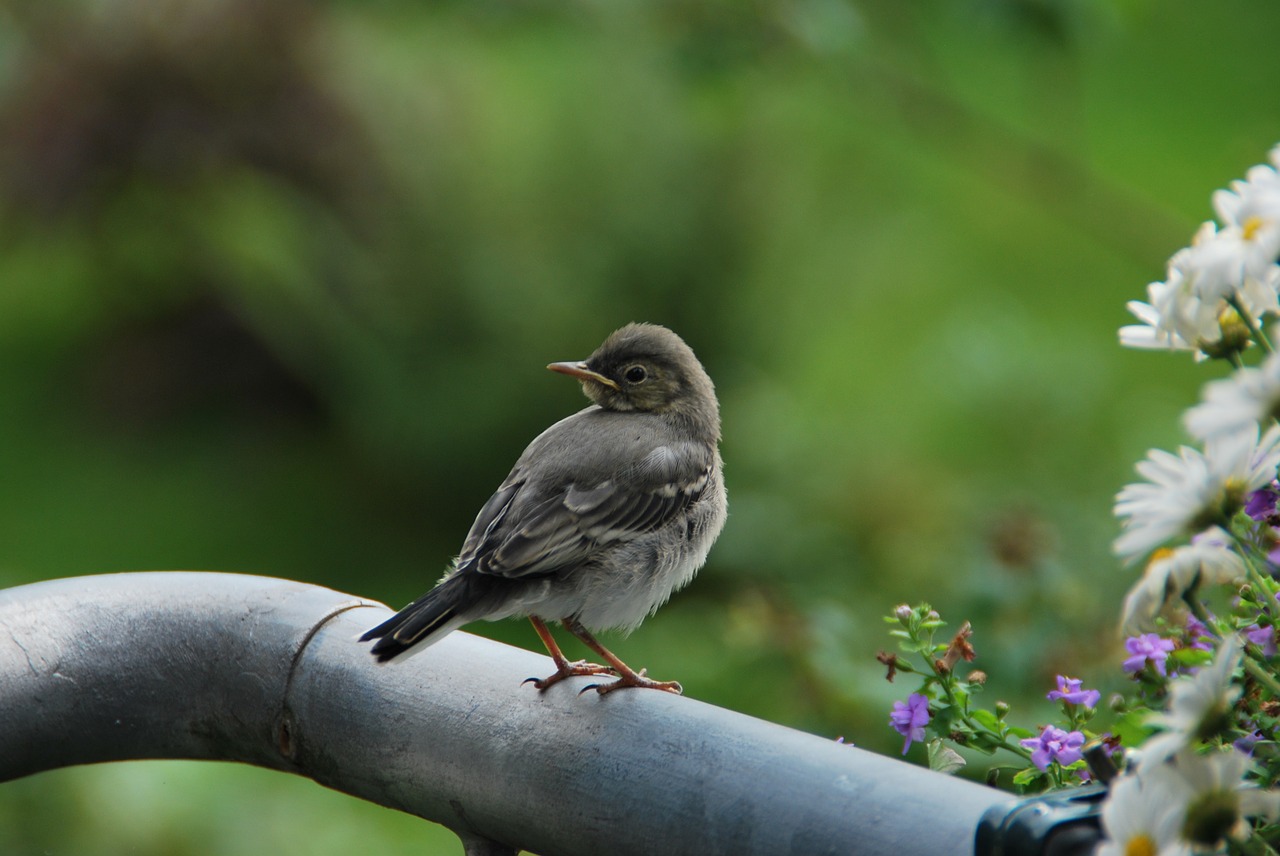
pixel 958 650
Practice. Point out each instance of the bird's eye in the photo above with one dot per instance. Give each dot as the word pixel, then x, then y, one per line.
pixel 635 374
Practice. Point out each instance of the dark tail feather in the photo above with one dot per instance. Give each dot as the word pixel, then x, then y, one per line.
pixel 423 622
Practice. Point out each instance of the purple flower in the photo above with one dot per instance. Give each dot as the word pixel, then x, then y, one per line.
pixel 1147 648
pixel 1263 637
pixel 1245 744
pixel 1262 502
pixel 1069 691
pixel 1054 744
pixel 909 718
pixel 1198 636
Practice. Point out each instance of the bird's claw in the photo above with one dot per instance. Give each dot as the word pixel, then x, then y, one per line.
pixel 635 679
pixel 568 670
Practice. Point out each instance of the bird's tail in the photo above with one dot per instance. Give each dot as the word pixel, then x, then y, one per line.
pixel 424 622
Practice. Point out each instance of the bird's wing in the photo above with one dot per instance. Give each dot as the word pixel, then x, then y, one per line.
pixel 527 529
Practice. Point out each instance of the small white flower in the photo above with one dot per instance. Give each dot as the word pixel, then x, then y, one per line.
pixel 1251 396
pixel 1221 798
pixel 1185 311
pixel 1225 263
pixel 1207 560
pixel 1189 309
pixel 1187 492
pixel 1144 815
pixel 1252 207
pixel 1199 707
pixel 1154 334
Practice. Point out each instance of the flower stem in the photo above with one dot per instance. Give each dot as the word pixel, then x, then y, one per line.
pixel 1259 673
pixel 944 680
pixel 1255 330
pixel 1265 585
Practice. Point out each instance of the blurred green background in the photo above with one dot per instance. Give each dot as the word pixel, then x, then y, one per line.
pixel 278 281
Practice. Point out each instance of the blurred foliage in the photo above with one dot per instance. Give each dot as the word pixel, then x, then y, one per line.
pixel 277 283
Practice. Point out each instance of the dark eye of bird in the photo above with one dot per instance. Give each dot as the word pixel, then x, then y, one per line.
pixel 635 374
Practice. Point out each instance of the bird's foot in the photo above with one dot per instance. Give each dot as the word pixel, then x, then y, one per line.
pixel 634 679
pixel 567 669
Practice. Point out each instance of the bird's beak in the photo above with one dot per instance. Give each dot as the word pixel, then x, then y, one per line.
pixel 581 372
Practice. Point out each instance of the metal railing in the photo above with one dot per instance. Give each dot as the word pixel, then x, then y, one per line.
pixel 267 672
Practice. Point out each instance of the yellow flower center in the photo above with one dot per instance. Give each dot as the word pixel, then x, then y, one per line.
pixel 1252 226
pixel 1141 845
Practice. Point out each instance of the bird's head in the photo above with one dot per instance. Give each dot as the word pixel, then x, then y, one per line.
pixel 647 368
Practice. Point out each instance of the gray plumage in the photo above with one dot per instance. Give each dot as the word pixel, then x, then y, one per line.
pixel 605 514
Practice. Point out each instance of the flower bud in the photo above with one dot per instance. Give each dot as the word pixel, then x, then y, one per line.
pixel 1235 335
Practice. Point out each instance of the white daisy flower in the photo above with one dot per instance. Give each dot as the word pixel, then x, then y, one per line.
pixel 1251 396
pixel 1144 815
pixel 1180 316
pixel 1252 207
pixel 1199 707
pixel 1230 262
pixel 1221 798
pixel 1207 560
pixel 1192 490
pixel 1154 334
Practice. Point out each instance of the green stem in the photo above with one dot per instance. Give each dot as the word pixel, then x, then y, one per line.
pixel 1258 841
pixel 1197 608
pixel 1255 330
pixel 1260 336
pixel 1263 582
pixel 1261 674
pixel 944 680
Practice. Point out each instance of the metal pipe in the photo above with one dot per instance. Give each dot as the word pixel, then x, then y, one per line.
pixel 267 672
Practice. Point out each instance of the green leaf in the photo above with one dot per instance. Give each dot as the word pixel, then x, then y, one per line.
pixel 1028 777
pixel 988 719
pixel 1131 727
pixel 942 758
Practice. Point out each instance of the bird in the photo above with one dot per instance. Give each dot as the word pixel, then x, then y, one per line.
pixel 605 514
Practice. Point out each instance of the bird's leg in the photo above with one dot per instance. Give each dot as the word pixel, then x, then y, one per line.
pixel 627 677
pixel 564 667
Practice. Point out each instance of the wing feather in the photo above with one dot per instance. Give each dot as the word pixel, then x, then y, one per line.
pixel 528 529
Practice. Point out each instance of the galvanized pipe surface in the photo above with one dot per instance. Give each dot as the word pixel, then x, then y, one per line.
pixel 267 671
